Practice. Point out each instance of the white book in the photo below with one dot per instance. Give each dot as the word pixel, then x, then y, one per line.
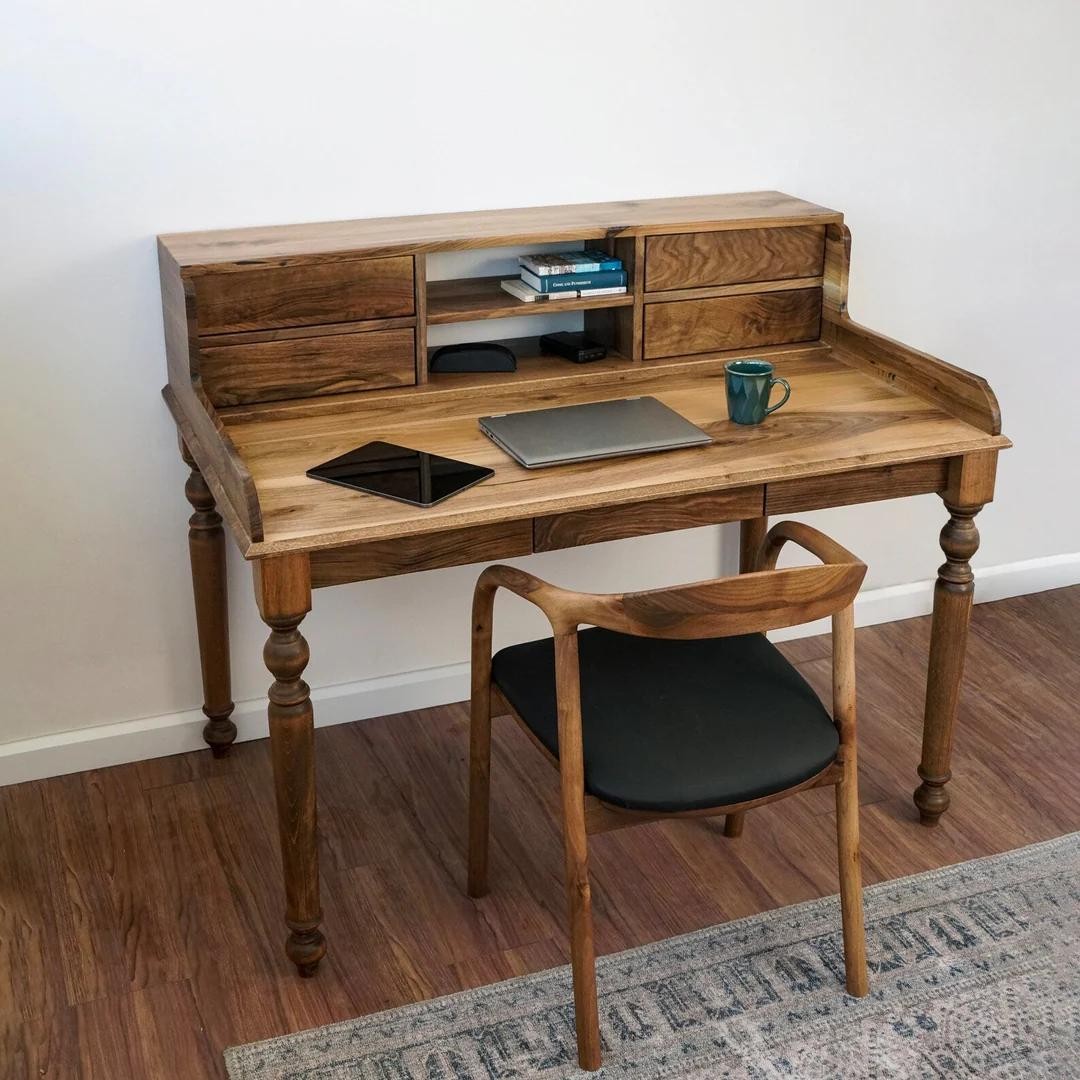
pixel 518 288
pixel 612 291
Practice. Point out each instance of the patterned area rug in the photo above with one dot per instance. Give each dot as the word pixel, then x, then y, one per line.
pixel 975 972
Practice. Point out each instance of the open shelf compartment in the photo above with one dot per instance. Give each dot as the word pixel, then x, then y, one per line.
pixel 469 299
pixel 532 366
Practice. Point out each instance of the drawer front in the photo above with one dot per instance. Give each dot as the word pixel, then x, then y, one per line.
pixel 304 295
pixel 408 554
pixel 692 260
pixel 307 366
pixel 645 518
pixel 859 486
pixel 732 322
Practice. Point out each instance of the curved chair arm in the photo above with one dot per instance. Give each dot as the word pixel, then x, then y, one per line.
pixel 550 599
pixel 808 538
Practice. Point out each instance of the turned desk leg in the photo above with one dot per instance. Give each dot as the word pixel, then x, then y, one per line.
pixel 283 592
pixel 953 597
pixel 206 545
pixel 751 535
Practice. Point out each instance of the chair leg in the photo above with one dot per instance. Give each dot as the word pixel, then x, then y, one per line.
pixel 479 792
pixel 582 950
pixel 851 905
pixel 733 824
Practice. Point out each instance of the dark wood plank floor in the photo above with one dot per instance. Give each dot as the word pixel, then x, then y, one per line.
pixel 140 929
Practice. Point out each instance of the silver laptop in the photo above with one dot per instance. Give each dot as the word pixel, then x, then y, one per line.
pixel 601 429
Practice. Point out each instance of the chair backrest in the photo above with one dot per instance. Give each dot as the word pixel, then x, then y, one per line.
pixel 766 599
pixel 724 607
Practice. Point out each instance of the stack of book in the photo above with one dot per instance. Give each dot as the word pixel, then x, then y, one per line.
pixel 564 276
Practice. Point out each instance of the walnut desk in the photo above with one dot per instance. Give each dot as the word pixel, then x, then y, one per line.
pixel 289 345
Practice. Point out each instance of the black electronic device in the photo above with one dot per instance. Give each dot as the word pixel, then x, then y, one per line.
pixel 396 472
pixel 473 356
pixel 573 345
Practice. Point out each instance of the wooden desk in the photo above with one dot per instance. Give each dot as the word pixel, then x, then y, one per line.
pixel 287 346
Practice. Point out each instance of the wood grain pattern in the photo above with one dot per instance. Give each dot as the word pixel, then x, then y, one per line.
pixel 767 599
pixel 971 480
pixel 686 260
pixel 861 402
pixel 295 333
pixel 469 299
pixel 847 804
pixel 751 538
pixel 838 420
pixel 967 396
pixel 760 599
pixel 732 322
pixel 195 912
pixel 308 367
pixel 420 285
pixel 410 554
pixel 857 486
pixel 537 373
pixel 236 250
pixel 575 849
pixel 619 328
pixel 304 295
pixel 196 419
pixel 283 595
pixel 622 227
pixel 835 273
pixel 742 289
pixel 206 547
pixel 557 531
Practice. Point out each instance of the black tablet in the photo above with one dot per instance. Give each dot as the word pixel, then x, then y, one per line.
pixel 410 476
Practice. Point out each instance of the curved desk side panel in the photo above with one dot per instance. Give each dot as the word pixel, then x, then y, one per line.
pixel 197 421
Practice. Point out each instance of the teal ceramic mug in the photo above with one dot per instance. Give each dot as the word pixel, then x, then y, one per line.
pixel 749 383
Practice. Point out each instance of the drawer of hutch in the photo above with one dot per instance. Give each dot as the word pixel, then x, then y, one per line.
pixel 304 295
pixel 692 260
pixel 748 321
pixel 307 366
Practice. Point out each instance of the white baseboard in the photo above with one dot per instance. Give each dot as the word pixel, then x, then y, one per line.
pixel 176 733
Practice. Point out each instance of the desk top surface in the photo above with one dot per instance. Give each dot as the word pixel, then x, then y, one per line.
pixel 838 419
pixel 222 250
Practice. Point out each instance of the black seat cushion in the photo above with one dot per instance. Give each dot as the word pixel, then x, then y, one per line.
pixel 677 725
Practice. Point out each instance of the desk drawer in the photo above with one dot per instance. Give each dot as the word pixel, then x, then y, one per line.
pixel 578 527
pixel 679 327
pixel 304 295
pixel 692 260
pixel 432 551
pixel 307 366
pixel 858 486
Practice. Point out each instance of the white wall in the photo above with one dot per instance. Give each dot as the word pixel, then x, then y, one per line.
pixel 947 133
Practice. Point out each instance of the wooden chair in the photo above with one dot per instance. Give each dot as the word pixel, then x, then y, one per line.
pixel 687 709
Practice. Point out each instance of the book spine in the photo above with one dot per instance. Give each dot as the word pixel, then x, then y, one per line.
pixel 560 282
pixel 529 295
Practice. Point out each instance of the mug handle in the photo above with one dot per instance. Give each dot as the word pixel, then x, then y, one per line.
pixel 787 394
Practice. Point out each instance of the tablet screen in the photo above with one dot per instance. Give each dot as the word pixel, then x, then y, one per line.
pixel 396 472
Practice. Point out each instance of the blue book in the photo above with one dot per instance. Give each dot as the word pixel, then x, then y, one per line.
pixel 588 261
pixel 549 283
